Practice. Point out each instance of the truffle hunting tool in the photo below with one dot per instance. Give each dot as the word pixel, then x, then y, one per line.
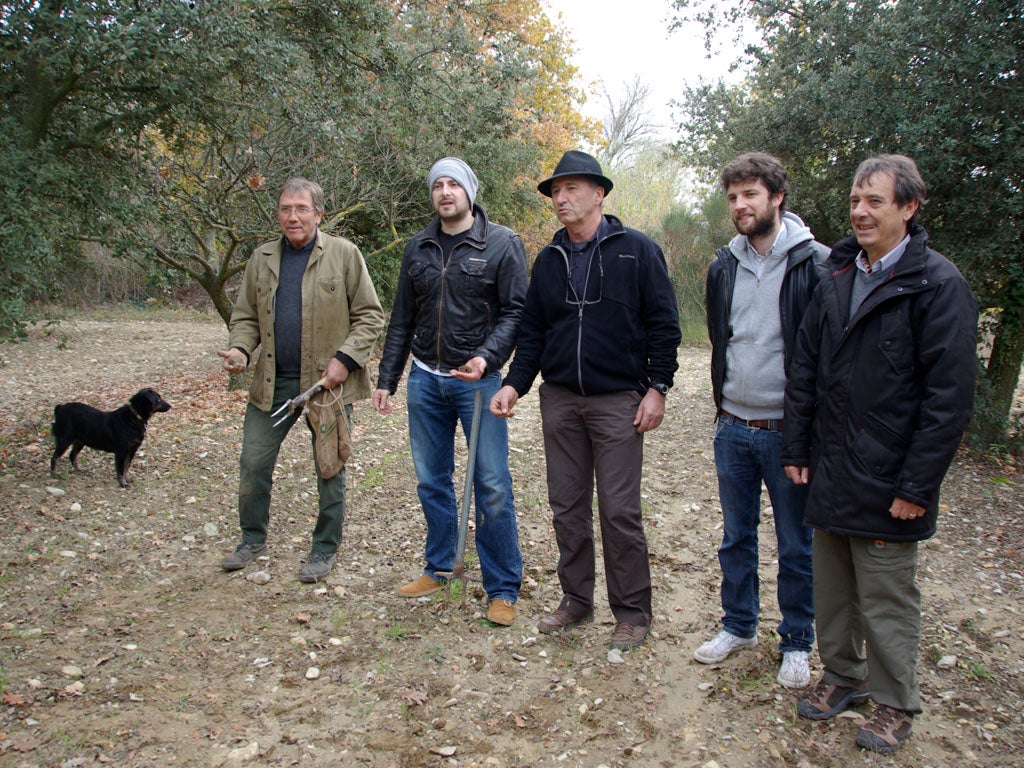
pixel 288 407
pixel 458 573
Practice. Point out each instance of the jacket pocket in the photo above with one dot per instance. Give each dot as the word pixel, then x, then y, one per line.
pixel 330 281
pixel 879 460
pixel 266 290
pixel 891 435
pixel 621 284
pixel 896 341
pixel 423 277
pixel 473 276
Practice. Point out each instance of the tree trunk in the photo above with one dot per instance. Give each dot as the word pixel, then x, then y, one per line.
pixel 215 289
pixel 995 394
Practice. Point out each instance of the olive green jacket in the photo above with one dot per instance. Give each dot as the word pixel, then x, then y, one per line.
pixel 340 313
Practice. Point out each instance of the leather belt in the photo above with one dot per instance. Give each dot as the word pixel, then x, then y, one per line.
pixel 775 425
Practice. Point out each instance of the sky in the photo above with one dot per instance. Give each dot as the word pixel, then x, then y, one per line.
pixel 614 46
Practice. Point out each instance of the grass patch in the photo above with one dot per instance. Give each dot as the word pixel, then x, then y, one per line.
pixel 377 475
pixel 397 631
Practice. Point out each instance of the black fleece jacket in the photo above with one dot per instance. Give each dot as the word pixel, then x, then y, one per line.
pixel 622 336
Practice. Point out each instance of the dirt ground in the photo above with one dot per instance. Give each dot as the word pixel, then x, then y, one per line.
pixel 123 644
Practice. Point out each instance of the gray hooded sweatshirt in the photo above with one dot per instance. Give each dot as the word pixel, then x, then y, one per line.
pixel 755 378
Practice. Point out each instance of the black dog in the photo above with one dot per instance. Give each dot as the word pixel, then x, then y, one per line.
pixel 119 432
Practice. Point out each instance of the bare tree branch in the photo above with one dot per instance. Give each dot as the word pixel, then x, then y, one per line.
pixel 628 123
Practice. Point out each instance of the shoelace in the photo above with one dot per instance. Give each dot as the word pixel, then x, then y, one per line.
pixel 885 717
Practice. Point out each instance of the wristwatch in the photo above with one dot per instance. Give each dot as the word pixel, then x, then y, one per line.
pixel 662 388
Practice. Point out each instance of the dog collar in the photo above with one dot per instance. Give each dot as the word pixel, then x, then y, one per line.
pixel 136 415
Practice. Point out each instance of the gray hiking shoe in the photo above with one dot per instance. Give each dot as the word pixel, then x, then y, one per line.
pixel 242 556
pixel 317 566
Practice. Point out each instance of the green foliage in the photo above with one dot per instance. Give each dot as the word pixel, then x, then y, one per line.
pixel 396 631
pixel 992 430
pixel 81 80
pixel 833 83
pixel 980 671
pixel 690 239
pixel 647 183
pixel 162 130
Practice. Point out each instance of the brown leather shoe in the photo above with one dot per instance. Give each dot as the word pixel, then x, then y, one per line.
pixel 829 700
pixel 561 620
pixel 501 612
pixel 886 731
pixel 422 586
pixel 627 636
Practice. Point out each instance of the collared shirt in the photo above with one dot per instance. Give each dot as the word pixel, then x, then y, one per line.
pixel 885 263
pixel 758 260
pixel 870 276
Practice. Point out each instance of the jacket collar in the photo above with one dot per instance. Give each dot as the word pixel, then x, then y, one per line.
pixel 272 249
pixel 477 234
pixel 610 227
pixel 905 277
pixel 913 259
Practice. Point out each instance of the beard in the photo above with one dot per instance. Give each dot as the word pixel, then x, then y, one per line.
pixel 763 223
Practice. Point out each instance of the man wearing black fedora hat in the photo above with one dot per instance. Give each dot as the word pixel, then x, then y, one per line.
pixel 600 325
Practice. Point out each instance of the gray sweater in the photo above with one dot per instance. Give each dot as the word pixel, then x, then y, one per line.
pixel 755 379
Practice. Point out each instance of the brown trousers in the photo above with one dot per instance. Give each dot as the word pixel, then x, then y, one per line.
pixel 588 438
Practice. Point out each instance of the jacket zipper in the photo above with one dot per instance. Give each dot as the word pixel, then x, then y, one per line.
pixel 579 312
pixel 440 299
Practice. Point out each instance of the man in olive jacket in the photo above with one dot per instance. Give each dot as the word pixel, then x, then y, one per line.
pixel 879 393
pixel 308 302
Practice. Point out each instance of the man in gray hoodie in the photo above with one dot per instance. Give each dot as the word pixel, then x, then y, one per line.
pixel 757 290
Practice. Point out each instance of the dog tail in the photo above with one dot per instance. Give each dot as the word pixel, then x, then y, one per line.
pixel 56 417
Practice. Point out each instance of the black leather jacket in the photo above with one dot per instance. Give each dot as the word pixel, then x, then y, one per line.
pixel 803 270
pixel 446 314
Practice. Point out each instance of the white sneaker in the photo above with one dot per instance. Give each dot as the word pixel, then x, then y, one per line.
pixel 795 672
pixel 719 648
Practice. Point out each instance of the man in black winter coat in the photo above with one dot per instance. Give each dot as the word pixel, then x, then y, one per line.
pixel 879 393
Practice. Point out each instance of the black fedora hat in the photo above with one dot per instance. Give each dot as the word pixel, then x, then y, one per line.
pixel 574 163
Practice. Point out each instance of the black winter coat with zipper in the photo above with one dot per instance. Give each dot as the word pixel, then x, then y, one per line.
pixel 877 403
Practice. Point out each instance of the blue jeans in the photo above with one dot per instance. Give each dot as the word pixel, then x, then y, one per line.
pixel 261 442
pixel 436 404
pixel 744 456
